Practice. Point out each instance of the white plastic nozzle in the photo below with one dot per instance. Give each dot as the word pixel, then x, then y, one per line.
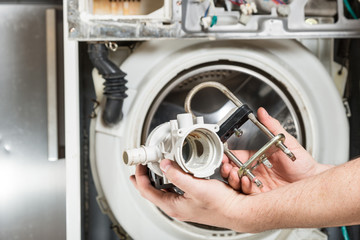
pixel 142 155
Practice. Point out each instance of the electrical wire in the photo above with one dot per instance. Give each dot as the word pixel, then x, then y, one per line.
pixel 213 21
pixel 350 10
pixel 278 2
pixel 236 3
pixel 211 5
pixel 213 18
pixel 345 233
pixel 207 11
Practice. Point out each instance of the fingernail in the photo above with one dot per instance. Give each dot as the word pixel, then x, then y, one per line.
pixel 165 165
pixel 266 114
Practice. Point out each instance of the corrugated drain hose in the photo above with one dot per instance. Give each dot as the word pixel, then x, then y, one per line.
pixel 115 88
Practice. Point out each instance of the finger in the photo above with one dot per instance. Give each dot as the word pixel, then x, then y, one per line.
pixel 275 127
pixel 161 199
pixel 225 159
pixel 234 180
pixel 248 187
pixel 142 183
pixel 225 170
pixel 141 175
pixel 182 180
pixel 133 180
pixel 141 170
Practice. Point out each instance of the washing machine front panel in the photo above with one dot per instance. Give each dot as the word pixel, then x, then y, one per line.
pixel 151 69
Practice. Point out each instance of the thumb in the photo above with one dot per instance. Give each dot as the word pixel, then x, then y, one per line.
pixel 275 127
pixel 179 178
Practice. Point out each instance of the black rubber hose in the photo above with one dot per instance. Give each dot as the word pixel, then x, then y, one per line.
pixel 115 88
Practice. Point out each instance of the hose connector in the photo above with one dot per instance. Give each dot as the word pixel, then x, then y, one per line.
pixel 115 88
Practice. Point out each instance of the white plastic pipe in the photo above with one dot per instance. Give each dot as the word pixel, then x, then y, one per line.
pixel 142 155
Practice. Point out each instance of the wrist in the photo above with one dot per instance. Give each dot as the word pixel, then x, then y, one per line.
pixel 322 168
pixel 247 214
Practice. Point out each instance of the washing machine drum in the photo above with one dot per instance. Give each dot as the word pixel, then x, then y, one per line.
pixel 281 76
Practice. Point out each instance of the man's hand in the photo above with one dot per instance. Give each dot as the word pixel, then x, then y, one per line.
pixel 209 202
pixel 284 171
pixel 312 200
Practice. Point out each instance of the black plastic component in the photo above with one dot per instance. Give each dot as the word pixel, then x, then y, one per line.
pixel 157 181
pixel 236 120
pixel 115 88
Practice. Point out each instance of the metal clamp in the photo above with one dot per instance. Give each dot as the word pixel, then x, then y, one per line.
pixel 113 46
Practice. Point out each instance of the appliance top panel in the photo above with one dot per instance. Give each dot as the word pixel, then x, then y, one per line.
pixel 105 20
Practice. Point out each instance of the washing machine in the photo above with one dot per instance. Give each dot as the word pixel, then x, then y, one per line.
pixel 277 58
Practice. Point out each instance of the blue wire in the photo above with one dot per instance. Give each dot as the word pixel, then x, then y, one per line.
pixel 207 11
pixel 348 7
pixel 345 233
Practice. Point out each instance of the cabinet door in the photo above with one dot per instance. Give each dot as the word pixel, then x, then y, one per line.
pixel 32 189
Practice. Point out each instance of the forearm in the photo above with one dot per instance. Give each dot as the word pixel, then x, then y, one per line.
pixel 322 168
pixel 328 199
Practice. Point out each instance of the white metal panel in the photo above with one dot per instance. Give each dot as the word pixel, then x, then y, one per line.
pixel 72 136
